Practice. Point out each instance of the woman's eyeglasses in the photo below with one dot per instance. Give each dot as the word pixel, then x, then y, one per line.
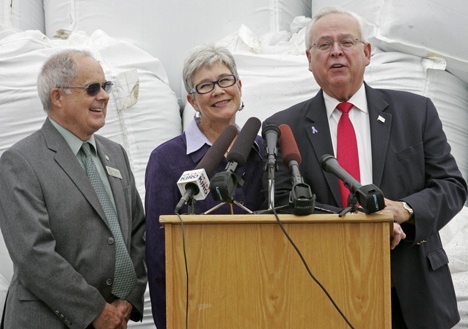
pixel 206 87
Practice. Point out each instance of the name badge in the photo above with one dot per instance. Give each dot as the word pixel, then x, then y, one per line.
pixel 113 172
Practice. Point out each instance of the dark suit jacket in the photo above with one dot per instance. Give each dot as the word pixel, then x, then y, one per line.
pixel 411 161
pixel 57 236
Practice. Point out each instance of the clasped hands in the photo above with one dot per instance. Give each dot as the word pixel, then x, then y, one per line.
pixel 114 315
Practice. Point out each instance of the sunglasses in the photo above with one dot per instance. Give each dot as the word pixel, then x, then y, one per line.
pixel 94 88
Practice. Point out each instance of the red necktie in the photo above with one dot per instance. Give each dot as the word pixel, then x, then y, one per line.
pixel 347 150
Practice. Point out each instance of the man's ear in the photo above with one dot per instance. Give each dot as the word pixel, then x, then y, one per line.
pixel 56 97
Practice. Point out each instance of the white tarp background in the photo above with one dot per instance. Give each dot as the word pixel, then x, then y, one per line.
pixel 142 45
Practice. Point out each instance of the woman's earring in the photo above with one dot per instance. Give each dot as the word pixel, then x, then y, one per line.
pixel 196 117
pixel 241 107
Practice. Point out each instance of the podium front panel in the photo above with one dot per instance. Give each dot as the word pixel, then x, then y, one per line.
pixel 243 272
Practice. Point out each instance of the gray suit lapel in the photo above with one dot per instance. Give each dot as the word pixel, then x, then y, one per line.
pixel 65 158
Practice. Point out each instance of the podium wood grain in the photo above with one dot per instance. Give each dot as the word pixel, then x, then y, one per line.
pixel 244 273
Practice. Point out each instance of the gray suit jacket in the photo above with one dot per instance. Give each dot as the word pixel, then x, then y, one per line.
pixel 411 161
pixel 57 236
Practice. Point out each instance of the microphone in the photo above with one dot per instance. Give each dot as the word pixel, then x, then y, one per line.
pixel 270 134
pixel 301 198
pixel 369 197
pixel 223 185
pixel 195 184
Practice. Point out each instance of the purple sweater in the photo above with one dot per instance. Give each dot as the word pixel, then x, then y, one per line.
pixel 165 166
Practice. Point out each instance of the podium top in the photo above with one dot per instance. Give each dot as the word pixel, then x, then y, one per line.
pixel 269 218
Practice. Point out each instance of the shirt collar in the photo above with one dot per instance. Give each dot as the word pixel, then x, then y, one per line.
pixel 72 141
pixel 195 138
pixel 359 101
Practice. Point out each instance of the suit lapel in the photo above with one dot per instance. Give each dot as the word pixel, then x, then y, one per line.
pixel 380 127
pixel 318 132
pixel 65 158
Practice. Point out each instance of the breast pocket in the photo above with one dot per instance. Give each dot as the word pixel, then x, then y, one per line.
pixel 409 167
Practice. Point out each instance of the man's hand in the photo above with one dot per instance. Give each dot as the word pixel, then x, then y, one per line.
pixel 125 307
pixel 396 209
pixel 398 235
pixel 111 317
pixel 400 215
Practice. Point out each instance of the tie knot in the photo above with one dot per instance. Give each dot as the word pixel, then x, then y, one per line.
pixel 344 107
pixel 86 148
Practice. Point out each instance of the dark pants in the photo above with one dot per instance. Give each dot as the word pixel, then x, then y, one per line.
pixel 397 317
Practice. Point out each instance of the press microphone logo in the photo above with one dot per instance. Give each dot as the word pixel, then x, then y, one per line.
pixel 197 177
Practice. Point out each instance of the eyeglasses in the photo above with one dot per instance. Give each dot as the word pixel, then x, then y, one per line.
pixel 326 44
pixel 94 88
pixel 208 86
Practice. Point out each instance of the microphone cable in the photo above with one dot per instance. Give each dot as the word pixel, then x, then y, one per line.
pixel 290 241
pixel 309 271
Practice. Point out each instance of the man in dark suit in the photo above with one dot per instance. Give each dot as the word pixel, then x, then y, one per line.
pixel 402 149
pixel 56 227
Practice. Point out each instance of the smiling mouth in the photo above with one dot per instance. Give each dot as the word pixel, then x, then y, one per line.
pixel 96 110
pixel 219 104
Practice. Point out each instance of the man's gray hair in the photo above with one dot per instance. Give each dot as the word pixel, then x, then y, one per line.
pixel 325 11
pixel 59 70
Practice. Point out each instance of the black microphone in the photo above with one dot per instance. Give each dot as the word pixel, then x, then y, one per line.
pixel 270 134
pixel 194 184
pixel 369 197
pixel 301 198
pixel 223 185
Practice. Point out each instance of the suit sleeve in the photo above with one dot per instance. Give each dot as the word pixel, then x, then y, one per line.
pixel 439 190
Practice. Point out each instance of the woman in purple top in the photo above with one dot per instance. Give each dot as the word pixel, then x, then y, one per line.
pixel 214 90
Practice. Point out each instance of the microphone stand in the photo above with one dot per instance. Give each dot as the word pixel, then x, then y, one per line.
pixel 271 193
pixel 271 210
pixel 352 205
pixel 369 197
pixel 191 206
pixel 222 203
pixel 271 167
pixel 223 186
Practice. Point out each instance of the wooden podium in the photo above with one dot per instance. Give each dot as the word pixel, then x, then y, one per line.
pixel 244 273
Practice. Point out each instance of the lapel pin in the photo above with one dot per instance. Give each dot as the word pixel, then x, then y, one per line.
pixel 314 131
pixel 107 157
pixel 381 119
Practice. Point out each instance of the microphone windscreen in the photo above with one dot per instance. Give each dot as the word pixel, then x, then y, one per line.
pixel 216 152
pixel 270 128
pixel 288 146
pixel 243 144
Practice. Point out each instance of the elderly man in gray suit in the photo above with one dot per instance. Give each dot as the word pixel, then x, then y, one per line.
pixel 71 216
